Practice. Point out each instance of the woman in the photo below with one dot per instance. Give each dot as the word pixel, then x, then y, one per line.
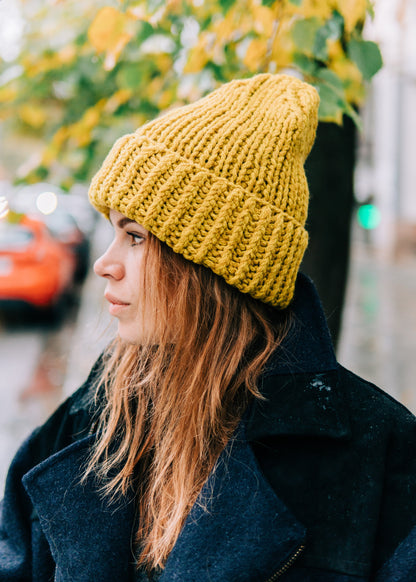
pixel 217 438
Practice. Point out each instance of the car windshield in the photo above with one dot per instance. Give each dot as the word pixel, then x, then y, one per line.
pixel 14 237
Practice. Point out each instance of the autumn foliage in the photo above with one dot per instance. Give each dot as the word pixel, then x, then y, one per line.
pixel 89 72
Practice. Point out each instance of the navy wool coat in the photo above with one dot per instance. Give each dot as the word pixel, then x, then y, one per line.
pixel 318 484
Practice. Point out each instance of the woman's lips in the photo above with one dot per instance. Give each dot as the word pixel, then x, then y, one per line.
pixel 116 305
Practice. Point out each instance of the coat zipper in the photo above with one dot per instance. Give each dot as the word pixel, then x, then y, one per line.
pixel 287 565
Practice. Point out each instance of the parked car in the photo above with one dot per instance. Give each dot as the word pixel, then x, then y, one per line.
pixel 35 268
pixel 71 220
pixel 64 228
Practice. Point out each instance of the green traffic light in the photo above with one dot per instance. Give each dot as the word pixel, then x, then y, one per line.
pixel 369 216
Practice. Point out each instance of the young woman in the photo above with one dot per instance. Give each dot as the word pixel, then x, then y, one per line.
pixel 217 439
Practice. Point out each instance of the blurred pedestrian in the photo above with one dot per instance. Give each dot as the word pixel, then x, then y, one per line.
pixel 217 438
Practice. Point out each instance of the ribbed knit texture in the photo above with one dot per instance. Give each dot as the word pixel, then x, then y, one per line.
pixel 221 181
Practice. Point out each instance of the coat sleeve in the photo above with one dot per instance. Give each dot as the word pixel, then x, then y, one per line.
pixel 395 558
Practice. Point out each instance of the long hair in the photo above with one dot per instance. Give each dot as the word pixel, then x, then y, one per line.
pixel 171 404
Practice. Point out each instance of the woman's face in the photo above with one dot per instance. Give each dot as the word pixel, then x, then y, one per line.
pixel 121 266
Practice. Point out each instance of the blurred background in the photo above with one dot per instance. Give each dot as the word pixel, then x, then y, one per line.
pixel 74 78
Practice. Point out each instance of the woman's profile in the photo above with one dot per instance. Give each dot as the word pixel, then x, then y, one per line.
pixel 217 438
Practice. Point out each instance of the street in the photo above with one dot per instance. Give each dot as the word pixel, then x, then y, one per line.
pixel 33 364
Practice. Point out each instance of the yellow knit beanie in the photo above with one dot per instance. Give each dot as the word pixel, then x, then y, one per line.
pixel 221 181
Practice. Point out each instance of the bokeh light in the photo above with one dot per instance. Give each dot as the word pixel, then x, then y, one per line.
pixel 47 202
pixel 369 216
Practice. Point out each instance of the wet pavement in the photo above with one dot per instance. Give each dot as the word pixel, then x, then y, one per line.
pixel 40 368
pixel 378 339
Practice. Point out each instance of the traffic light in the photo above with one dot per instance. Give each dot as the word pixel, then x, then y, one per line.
pixel 368 216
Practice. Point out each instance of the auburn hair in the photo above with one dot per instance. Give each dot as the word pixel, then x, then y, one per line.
pixel 172 402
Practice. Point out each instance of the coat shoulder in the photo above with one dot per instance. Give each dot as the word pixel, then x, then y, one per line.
pixel 367 401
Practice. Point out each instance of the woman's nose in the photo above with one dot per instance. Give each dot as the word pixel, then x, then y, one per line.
pixel 108 266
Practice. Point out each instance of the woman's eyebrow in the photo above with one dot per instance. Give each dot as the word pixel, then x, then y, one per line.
pixel 121 222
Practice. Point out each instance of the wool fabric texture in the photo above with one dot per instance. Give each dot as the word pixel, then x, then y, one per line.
pixel 222 182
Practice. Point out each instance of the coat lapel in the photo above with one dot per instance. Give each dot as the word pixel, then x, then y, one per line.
pixel 89 539
pixel 238 530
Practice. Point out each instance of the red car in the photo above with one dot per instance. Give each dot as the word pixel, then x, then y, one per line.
pixel 35 268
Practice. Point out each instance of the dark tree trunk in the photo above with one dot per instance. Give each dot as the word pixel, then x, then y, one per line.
pixel 330 172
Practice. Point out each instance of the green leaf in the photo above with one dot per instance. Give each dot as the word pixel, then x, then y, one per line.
pixel 331 101
pixel 304 34
pixel 144 30
pixel 270 2
pixel 370 8
pixel 295 2
pixel 319 49
pixel 331 79
pixel 366 55
pixel 335 26
pixel 226 5
pixel 331 30
pixel 129 77
pixel 354 116
pixel 305 64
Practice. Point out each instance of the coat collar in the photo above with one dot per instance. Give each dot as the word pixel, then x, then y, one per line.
pixel 237 517
pixel 307 348
pixel 301 383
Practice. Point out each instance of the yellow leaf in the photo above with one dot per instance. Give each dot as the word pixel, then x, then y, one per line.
pixel 163 61
pixel 117 99
pixel 335 50
pixel 174 6
pixel 8 94
pixel 81 131
pixel 197 60
pixel 66 55
pixel 352 78
pixel 33 115
pixel 320 8
pixel 166 98
pixel 91 118
pixel 255 56
pixel 37 65
pixel 225 27
pixel 263 19
pixel 60 136
pixel 107 33
pixel 353 11
pixel 50 153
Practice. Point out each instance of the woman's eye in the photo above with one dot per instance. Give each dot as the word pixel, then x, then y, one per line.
pixel 136 238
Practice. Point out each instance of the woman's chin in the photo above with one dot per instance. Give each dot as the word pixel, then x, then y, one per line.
pixel 134 336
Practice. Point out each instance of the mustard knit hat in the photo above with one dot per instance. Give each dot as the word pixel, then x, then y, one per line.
pixel 221 181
